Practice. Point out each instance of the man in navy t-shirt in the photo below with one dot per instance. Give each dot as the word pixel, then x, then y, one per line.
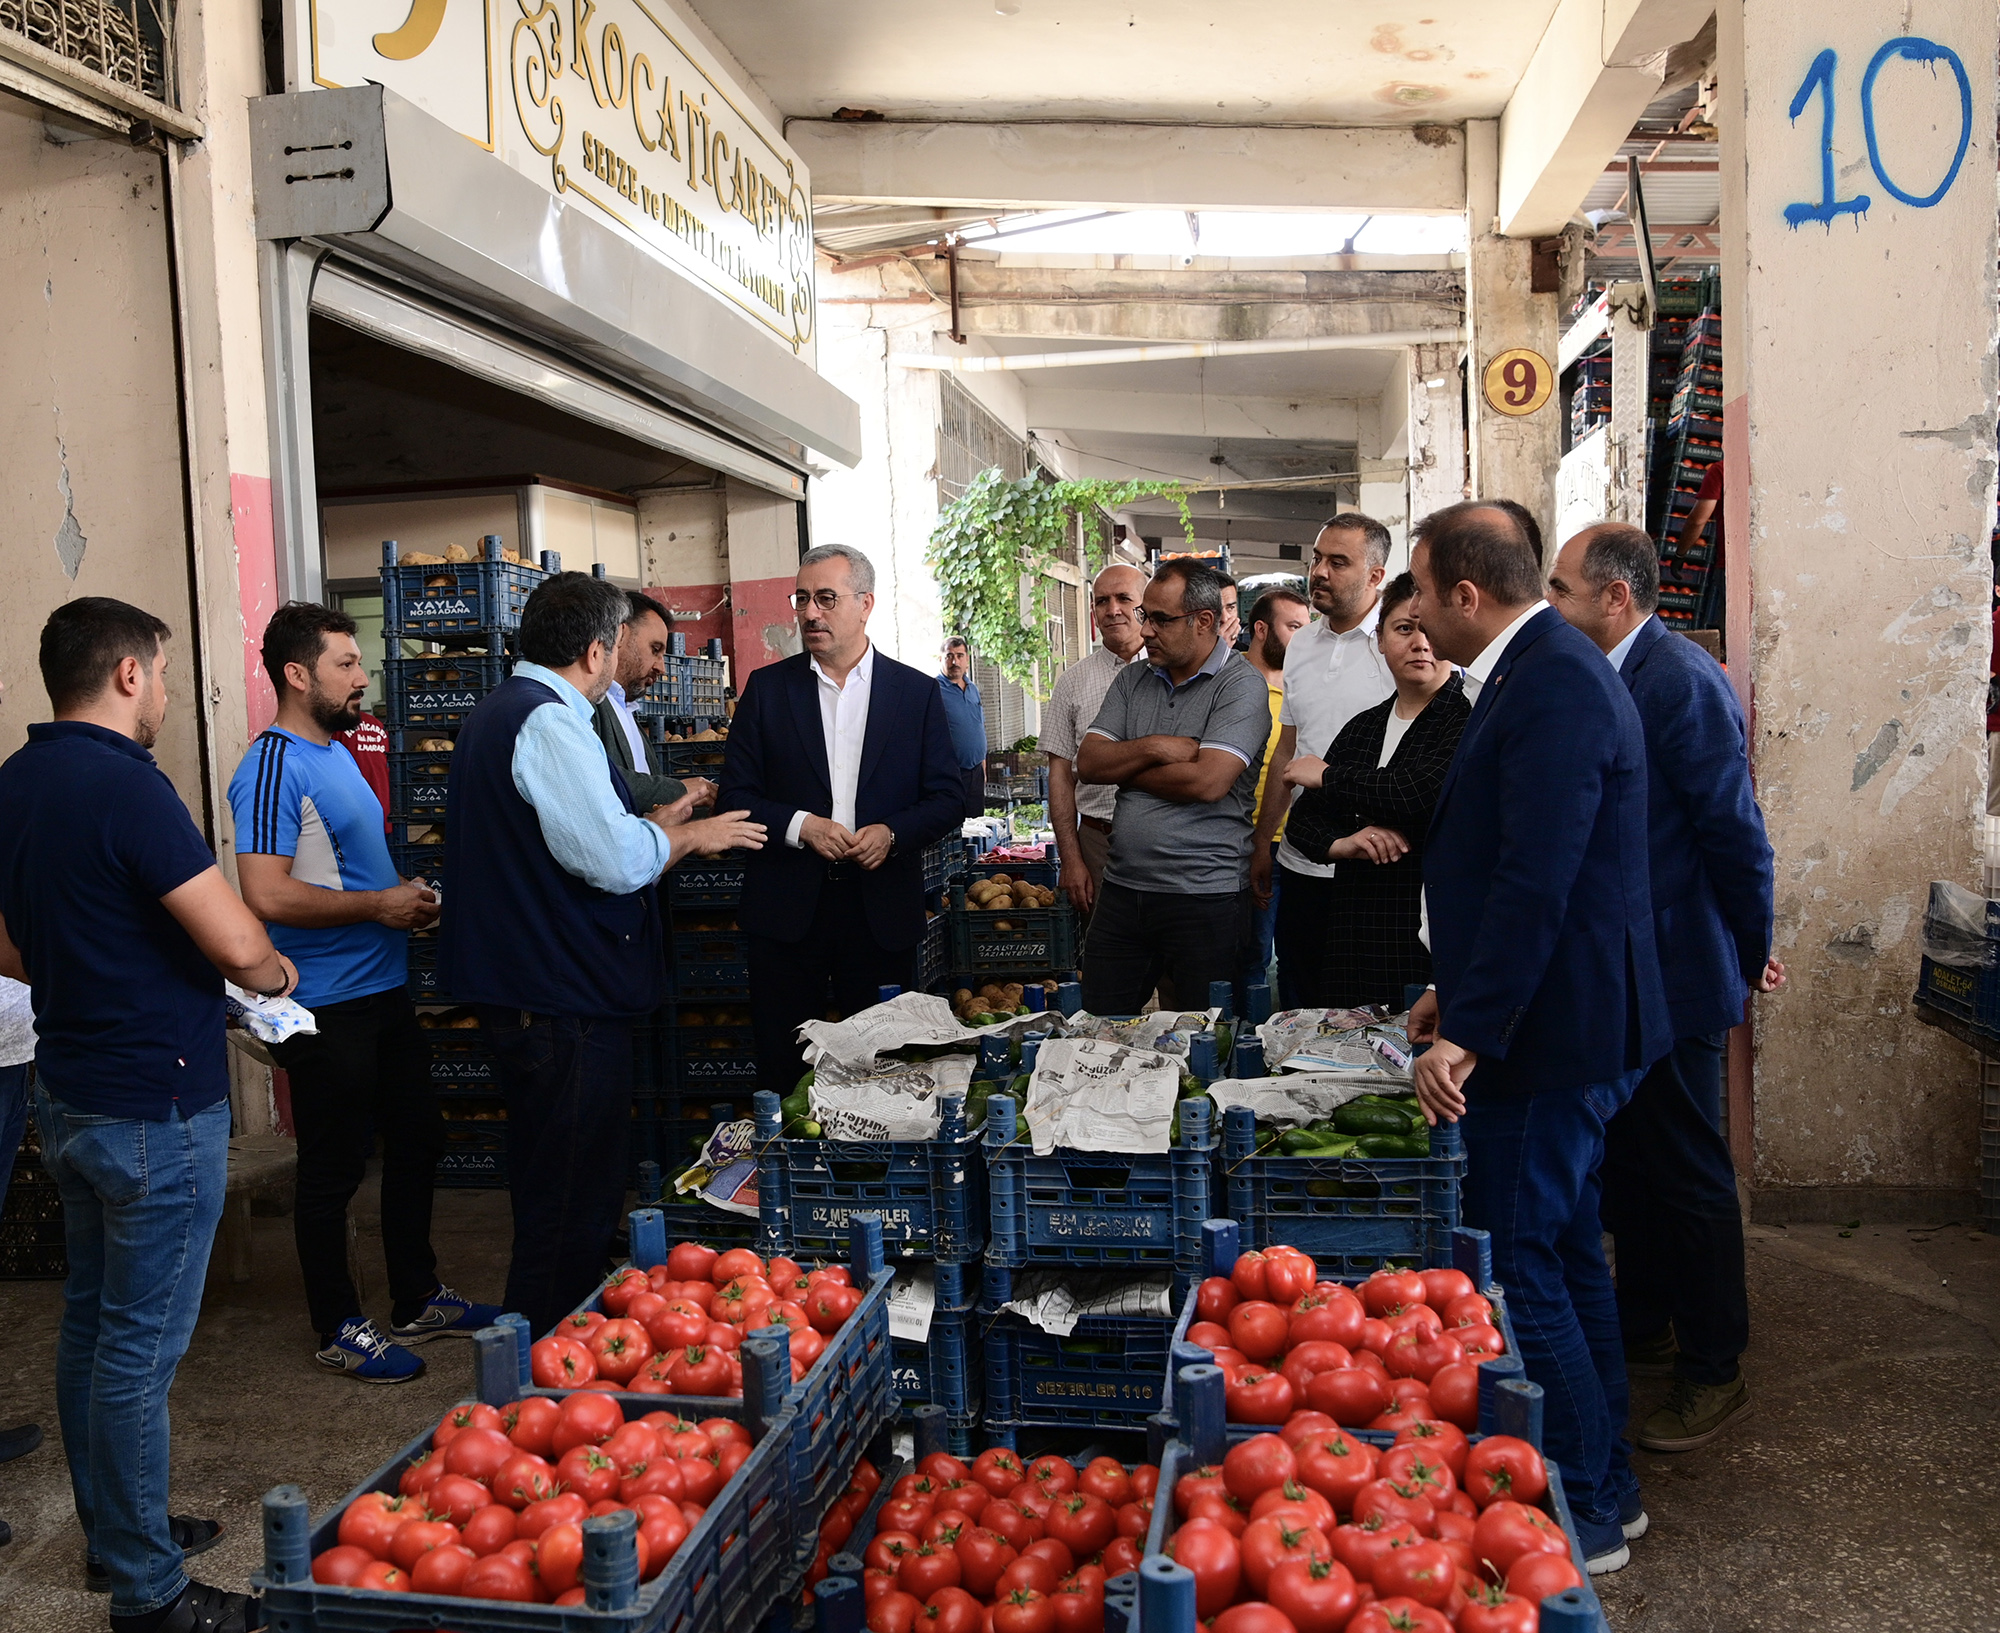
pixel 314 864
pixel 112 909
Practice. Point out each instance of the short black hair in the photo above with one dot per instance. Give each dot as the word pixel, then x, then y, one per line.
pixel 951 641
pixel 1524 518
pixel 85 641
pixel 1201 584
pixel 566 613
pixel 1399 589
pixel 638 603
pixel 1266 604
pixel 1619 550
pixel 1374 536
pixel 297 633
pixel 1476 542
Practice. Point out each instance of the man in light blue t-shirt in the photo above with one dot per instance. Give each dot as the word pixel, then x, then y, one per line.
pixel 314 864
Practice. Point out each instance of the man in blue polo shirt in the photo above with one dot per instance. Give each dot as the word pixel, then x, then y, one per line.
pixel 966 716
pixel 113 911
pixel 316 868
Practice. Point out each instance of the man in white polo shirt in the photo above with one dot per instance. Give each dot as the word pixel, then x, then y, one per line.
pixel 1333 670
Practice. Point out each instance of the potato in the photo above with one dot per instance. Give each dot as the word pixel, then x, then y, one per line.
pixel 963 995
pixel 458 552
pixel 1003 878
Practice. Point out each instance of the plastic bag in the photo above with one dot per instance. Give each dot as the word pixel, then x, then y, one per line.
pixel 1959 927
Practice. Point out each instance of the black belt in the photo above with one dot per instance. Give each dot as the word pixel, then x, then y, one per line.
pixel 1098 823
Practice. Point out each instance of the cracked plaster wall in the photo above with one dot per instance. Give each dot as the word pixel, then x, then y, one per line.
pixel 90 461
pixel 1860 385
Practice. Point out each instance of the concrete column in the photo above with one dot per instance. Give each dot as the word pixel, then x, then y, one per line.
pixel 763 568
pixel 1513 457
pixel 1437 429
pixel 1859 336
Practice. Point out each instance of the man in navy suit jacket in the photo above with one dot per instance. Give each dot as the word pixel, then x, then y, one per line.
pixel 1669 1184
pixel 845 756
pixel 1548 1003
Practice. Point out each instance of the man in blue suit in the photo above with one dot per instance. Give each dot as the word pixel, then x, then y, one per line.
pixel 845 756
pixel 1548 1004
pixel 1669 1184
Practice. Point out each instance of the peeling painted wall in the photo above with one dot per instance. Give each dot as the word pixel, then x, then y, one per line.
pixel 90 457
pixel 1860 332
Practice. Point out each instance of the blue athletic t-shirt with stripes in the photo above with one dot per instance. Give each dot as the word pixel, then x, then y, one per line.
pixel 310 802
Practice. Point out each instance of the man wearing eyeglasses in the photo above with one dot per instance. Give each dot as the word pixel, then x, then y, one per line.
pixel 1182 736
pixel 847 755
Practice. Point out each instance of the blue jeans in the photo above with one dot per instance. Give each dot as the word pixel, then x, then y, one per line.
pixel 1532 1179
pixel 1263 927
pixel 13 1120
pixel 140 1205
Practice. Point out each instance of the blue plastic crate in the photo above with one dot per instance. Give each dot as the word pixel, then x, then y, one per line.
pixel 1513 1408
pixel 437 691
pixel 413 859
pixel 1968 996
pixel 734 1567
pixel 418 783
pixel 931 1194
pixel 1038 937
pixel 460 1055
pixel 944 864
pixel 1101 1210
pixel 943 1370
pixel 715 881
pixel 714 1045
pixel 934 954
pixel 1371 1210
pixel 711 956
pixel 457 600
pixel 1108 1374
pixel 475 1156
pixel 425 987
pixel 688 759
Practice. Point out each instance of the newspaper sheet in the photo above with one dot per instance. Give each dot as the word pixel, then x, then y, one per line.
pixel 1056 1300
pixel 888 1099
pixel 1091 1095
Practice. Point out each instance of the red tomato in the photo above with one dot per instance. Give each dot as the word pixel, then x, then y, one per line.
pixel 1250 1276
pixel 663 1533
pixel 1225 1511
pixel 1302 1426
pixel 1507 1530
pixel 523 1479
pixel 1057 1474
pixel 700 1369
pixel 944 1468
pixel 946 1526
pixel 1495 1610
pixel 1106 1477
pixel 1215 1298
pixel 531 1424
pixel 926 1569
pixel 1135 1519
pixel 1145 1480
pixel 905 1514
pixel 1122 1554
pixel 1455 1395
pixel 1009 1520
pixel 830 1305
pixel 701 1475
pixel 567 1507
pixel 1296 1498
pixel 888 1546
pixel 620 1288
pixel 589 1473
pixel 580 1325
pixel 380 1576
pixel 337 1566
pixel 875 1584
pixel 1288 1275
pixel 1214 1557
pixel 1254 1466
pixel 1332 1317
pixel 1337 1467
pixel 1083 1524
pixel 1414 1466
pixel 983 1554
pixel 586 1420
pixel 633 1441
pixel 1314 1595
pixel 691 1261
pixel 1442 1286
pixel 1276 1538
pixel 998 1470
pixel 373 1518
pixel 1469 1310
pixel 1317 1355
pixel 701 1294
pixel 1257 1328
pixel 1207 1479
pixel 1503 1466
pixel 443 1569
pixel 676 1324
pixel 1399 1616
pixel 1395 1502
pixel 476 1415
pixel 1414 1318
pixel 737 1262
pixel 659 1477
pixel 490 1529
pixel 1209 1335
pixel 1256 1396
pixel 456 1498
pixel 894 1612
pixel 1079 1603
pixel 477 1453
pixel 1024 1610
pixel 1444 1442
pixel 425 1470
pixel 1534 1576
pixel 1388 1290
pixel 951 1610
pixel 1479 1343
pixel 783 1274
pixel 1351 1396
pixel 1424 1571
pixel 1358 1546
pixel 1400 1413
pixel 559 1557
pixel 1031 1570
pixel 967 1497
pixel 1253 1619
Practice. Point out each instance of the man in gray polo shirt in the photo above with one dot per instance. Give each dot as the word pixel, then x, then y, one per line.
pixel 1181 735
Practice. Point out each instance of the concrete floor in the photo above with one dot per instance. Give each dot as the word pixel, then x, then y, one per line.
pixel 1861 1494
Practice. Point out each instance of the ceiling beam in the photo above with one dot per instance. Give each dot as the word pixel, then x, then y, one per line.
pixel 974 363
pixel 1202 418
pixel 1599 63
pixel 1134 167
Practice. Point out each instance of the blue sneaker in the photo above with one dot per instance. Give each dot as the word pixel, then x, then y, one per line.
pixel 448 1315
pixel 1604 1547
pixel 362 1353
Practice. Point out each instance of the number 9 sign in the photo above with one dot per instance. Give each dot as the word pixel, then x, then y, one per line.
pixel 1518 382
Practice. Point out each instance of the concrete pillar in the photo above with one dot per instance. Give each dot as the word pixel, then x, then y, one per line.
pixel 1513 456
pixel 1859 336
pixel 1437 429
pixel 763 569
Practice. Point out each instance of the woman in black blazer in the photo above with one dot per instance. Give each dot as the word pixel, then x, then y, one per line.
pixel 1366 807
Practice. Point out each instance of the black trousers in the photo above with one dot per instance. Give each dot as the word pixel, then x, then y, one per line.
pixel 1143 939
pixel 366 1070
pixel 568 1083
pixel 1305 915
pixel 975 789
pixel 1670 1199
pixel 838 966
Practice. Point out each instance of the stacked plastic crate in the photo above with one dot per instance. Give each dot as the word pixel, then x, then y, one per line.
pixel 451 630
pixel 1590 404
pixel 31 1226
pixel 1686 444
pixel 1025 944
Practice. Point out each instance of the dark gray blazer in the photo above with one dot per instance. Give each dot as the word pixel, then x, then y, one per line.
pixel 649 787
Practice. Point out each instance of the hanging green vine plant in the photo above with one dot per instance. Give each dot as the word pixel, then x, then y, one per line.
pixel 991 550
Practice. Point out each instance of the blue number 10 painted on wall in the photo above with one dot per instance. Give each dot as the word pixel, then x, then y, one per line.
pixel 1819 77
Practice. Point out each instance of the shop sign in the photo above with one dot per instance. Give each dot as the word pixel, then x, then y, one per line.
pixel 612 105
pixel 1518 382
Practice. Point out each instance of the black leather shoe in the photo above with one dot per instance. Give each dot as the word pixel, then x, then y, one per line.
pixel 6 1533
pixel 203 1609
pixel 19 1441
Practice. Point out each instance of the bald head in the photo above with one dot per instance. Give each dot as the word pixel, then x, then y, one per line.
pixel 1606 581
pixel 1114 606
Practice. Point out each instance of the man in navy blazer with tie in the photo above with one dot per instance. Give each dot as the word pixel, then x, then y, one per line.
pixel 845 756
pixel 1548 1004
pixel 1669 1183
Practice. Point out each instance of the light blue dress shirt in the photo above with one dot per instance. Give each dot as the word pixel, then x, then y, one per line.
pixel 1619 653
pixel 561 770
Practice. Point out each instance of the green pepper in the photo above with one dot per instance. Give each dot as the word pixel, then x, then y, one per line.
pixel 1361 1117
pixel 1393 1145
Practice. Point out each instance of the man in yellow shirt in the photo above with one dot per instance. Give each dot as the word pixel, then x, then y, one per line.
pixel 1277 616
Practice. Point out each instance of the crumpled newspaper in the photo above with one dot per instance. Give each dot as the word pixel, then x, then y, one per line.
pixel 887 1099
pixel 268 1020
pixel 1056 1300
pixel 910 1019
pixel 1337 1040
pixel 1296 1098
pixel 725 1174
pixel 1091 1095
pixel 912 1303
pixel 1168 1031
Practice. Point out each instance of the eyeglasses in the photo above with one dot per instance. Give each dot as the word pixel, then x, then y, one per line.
pixel 1161 620
pixel 825 600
